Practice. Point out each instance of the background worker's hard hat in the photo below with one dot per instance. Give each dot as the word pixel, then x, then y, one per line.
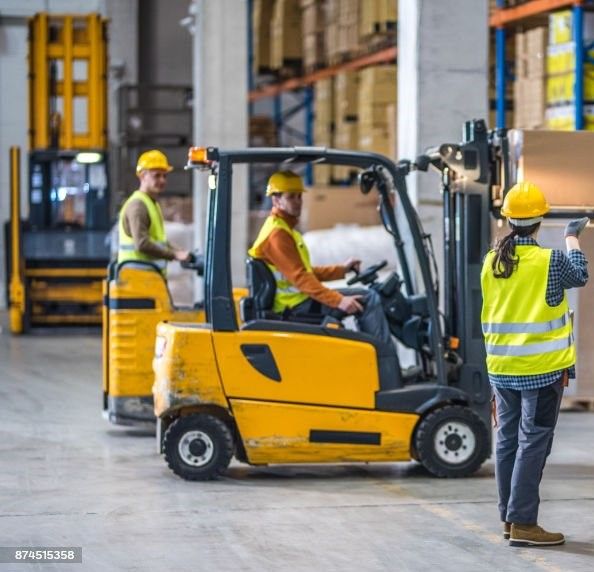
pixel 524 201
pixel 153 159
pixel 284 182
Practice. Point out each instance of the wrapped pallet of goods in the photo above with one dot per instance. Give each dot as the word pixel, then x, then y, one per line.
pixel 346 92
pixel 561 73
pixel 377 90
pixel 313 20
pixel 348 28
pixel 377 23
pixel 530 84
pixel 261 19
pixel 286 42
pixel 323 125
pixel 331 32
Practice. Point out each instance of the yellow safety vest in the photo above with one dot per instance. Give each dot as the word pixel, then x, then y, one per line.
pixel 287 295
pixel 127 250
pixel 523 334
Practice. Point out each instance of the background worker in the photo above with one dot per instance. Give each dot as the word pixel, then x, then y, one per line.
pixel 299 288
pixel 141 227
pixel 530 354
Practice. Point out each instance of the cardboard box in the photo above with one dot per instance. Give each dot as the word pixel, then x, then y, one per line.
pixel 561 27
pixel 325 207
pixel 377 16
pixel 378 84
pixel 346 93
pixel 261 22
pixel 560 163
pixel 285 32
pixel 562 117
pixel 392 123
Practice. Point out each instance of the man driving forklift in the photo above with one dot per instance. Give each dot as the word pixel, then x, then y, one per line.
pixel 299 288
pixel 141 227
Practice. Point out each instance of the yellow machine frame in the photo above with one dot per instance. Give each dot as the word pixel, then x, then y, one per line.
pixel 267 389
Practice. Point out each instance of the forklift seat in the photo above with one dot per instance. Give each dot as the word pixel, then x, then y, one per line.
pixel 262 288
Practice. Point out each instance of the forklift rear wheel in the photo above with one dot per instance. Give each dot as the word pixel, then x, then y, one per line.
pixel 452 442
pixel 198 447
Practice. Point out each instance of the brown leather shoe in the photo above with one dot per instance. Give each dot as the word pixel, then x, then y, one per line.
pixel 506 530
pixel 533 535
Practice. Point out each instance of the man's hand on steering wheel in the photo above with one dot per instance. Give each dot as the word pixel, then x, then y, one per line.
pixel 353 264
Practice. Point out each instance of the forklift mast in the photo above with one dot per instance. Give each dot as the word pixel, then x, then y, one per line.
pixel 61 245
pixel 475 174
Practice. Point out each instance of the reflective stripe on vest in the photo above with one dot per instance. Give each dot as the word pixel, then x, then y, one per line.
pixel 287 295
pixel 127 249
pixel 523 334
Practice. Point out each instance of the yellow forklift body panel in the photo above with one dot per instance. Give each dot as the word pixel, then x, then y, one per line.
pixel 315 369
pixel 186 373
pixel 291 433
pixel 132 332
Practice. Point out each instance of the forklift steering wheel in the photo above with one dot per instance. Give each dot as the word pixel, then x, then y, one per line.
pixel 368 275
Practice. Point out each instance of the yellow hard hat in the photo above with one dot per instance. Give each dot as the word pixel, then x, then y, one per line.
pixel 524 201
pixel 153 159
pixel 284 182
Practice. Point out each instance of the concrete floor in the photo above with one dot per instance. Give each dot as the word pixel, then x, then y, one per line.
pixel 68 478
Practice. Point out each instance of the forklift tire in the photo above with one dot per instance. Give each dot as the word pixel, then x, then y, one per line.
pixel 452 442
pixel 198 447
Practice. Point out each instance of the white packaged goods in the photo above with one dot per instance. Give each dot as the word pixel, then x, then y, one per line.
pixel 371 244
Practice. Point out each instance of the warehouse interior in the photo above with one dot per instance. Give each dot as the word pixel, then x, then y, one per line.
pixel 177 419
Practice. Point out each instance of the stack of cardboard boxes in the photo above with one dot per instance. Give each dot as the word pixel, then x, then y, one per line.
pixel 261 18
pixel 348 27
pixel 377 91
pixel 561 78
pixel 313 17
pixel 285 30
pixel 377 17
pixel 346 88
pixel 323 125
pixel 530 84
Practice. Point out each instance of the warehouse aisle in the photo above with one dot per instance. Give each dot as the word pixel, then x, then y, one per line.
pixel 67 478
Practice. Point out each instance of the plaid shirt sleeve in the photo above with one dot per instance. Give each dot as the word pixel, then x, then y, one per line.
pixel 565 271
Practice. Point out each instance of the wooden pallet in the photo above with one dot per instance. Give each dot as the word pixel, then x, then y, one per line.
pixel 577 404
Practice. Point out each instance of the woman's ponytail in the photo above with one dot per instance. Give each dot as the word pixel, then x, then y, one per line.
pixel 505 260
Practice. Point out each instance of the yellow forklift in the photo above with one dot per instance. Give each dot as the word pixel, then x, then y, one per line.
pixel 57 254
pixel 268 390
pixel 135 299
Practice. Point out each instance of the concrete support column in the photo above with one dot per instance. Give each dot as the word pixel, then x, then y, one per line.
pixel 221 109
pixel 442 82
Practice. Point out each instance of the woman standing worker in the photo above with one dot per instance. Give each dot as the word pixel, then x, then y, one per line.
pixel 530 353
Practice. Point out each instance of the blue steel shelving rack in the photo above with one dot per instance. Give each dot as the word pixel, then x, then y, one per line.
pixel 502 17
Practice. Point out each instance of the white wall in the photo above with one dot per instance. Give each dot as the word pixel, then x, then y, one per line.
pixel 442 82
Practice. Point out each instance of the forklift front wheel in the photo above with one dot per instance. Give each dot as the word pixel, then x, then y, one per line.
pixel 198 447
pixel 452 442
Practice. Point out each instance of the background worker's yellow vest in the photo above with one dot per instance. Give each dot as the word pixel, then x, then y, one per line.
pixel 287 295
pixel 127 250
pixel 523 334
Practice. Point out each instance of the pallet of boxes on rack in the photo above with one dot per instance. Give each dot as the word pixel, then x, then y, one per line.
pixel 261 20
pixel 286 45
pixel 530 70
pixel 377 25
pixel 560 67
pixel 377 110
pixel 262 134
pixel 313 20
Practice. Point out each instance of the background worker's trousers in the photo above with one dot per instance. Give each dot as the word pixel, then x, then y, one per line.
pixel 526 422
